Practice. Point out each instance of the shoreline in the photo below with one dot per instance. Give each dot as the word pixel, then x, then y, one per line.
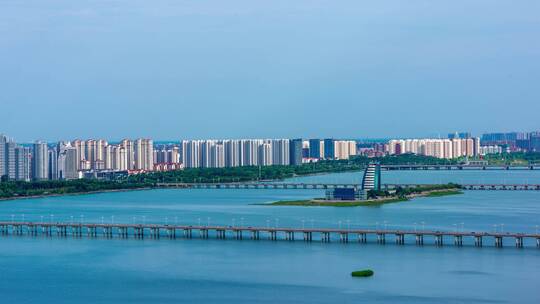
pixel 13 198
pixel 73 194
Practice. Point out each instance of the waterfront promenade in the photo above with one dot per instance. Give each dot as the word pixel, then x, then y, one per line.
pixel 156 231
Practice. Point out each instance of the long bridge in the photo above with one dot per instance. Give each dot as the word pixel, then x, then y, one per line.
pixel 327 186
pixel 326 235
pixel 461 167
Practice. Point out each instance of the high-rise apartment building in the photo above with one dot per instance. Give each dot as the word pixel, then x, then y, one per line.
pixel 315 148
pixel 40 161
pixel 295 152
pixel 440 148
pixel 344 149
pixel 329 149
pixel 23 163
pixel 53 163
pixel 67 161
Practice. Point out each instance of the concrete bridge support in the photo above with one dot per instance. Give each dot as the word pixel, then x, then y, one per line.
pixel 138 232
pixel 325 237
pixel 220 234
pixel 308 236
pixel 344 237
pixel 273 235
pixel 362 238
pixel 188 233
pixel 478 241
pixel 255 235
pixel 203 233
pixel 171 233
pixel 458 240
pixel 519 242
pixel 239 235
pixel 438 240
pixel 400 239
pixel 289 235
pixel 499 241
pixel 123 232
pixel 381 238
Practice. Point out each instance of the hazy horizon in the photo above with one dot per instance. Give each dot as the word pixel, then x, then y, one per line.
pixel 247 69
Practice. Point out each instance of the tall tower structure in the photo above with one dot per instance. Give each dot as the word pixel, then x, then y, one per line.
pixel 372 177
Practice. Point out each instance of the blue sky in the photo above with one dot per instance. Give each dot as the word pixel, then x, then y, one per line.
pixel 232 69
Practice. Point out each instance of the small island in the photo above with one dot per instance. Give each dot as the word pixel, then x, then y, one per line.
pixel 362 273
pixel 376 198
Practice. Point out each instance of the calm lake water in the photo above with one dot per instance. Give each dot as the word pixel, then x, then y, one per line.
pixel 42 270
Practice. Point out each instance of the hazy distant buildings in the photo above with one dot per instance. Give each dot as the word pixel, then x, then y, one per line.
pixel 440 148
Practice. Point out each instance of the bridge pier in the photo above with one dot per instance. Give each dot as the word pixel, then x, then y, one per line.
pixel 108 231
pixel 255 235
pixel 188 233
pixel 239 234
pixel 91 231
pixel 138 232
pixel 289 235
pixel 308 236
pixel 61 230
pixel 478 241
pixel 344 237
pixel 17 230
pixel 458 240
pixel 203 233
pixel 362 238
pixel 273 235
pixel 32 230
pixel 123 232
pixel 519 242
pixel 498 241
pixel 4 229
pixel 400 239
pixel 438 240
pixel 381 238
pixel 325 237
pixel 220 234
pixel 171 233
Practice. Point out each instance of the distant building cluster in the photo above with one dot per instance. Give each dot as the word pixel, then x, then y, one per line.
pixel 485 150
pixel 513 141
pixel 97 158
pixel 440 148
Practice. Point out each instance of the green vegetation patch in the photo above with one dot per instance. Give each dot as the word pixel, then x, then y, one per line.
pixel 322 203
pixel 363 273
pixel 16 189
pixel 443 193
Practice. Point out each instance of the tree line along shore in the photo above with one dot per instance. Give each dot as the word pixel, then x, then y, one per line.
pixel 20 189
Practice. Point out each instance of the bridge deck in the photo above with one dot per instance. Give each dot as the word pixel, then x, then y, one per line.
pixel 139 230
